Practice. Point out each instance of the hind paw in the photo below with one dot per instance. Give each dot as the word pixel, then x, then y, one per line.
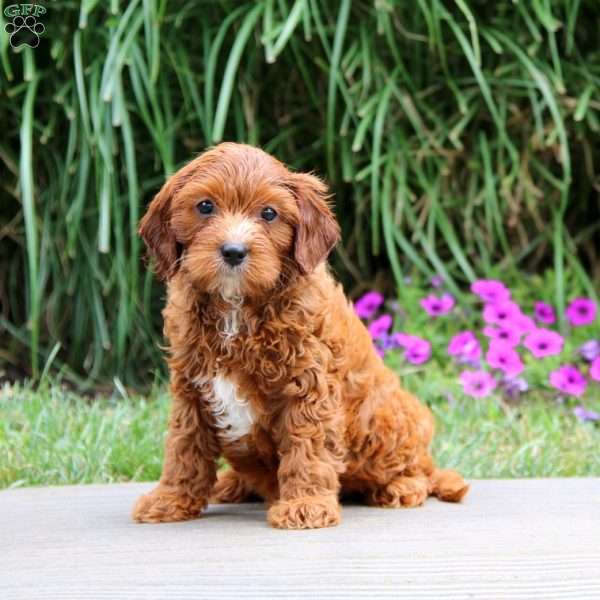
pixel 407 492
pixel 230 487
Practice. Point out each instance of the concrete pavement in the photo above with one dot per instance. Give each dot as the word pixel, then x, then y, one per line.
pixel 509 539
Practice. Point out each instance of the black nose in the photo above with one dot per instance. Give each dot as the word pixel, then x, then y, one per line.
pixel 233 254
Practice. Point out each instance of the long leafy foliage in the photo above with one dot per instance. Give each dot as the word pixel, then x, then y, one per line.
pixel 460 138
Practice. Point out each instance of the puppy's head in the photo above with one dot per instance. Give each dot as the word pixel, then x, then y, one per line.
pixel 236 221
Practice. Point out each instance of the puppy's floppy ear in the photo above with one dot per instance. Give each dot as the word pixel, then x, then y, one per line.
pixel 155 229
pixel 317 231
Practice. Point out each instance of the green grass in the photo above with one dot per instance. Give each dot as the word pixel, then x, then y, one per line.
pixel 50 436
pixel 458 137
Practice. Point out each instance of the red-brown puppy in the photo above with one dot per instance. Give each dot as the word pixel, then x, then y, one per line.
pixel 270 366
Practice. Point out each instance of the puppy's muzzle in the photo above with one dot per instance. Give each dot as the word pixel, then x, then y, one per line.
pixel 234 254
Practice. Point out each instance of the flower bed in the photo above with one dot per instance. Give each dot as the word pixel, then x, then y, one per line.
pixel 493 343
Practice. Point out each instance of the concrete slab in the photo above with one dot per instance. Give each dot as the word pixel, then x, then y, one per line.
pixel 509 539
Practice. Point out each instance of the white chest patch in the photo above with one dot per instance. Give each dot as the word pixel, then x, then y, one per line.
pixel 233 414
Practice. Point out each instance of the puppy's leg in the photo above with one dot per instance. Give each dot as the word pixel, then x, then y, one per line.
pixel 401 491
pixel 230 487
pixel 448 485
pixel 189 470
pixel 412 490
pixel 402 471
pixel 311 457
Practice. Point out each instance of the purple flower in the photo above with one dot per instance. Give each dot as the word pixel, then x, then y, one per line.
pixel 585 415
pixel 435 306
pixel 569 380
pixel 514 386
pixel 522 323
pixel 490 291
pixel 581 311
pixel 366 306
pixel 437 281
pixel 504 333
pixel 590 350
pixel 477 383
pixel 544 313
pixel 386 342
pixel 380 326
pixel 417 351
pixel 501 313
pixel 595 369
pixel 395 306
pixel 401 340
pixel 504 357
pixel 465 345
pixel 544 342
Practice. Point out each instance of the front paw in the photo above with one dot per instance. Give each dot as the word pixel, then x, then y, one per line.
pixel 163 505
pixel 305 513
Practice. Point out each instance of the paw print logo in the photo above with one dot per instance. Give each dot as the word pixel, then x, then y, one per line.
pixel 24 31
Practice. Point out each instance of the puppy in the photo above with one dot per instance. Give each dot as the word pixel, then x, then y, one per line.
pixel 270 366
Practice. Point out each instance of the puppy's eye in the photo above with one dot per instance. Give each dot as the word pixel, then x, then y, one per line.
pixel 268 213
pixel 205 207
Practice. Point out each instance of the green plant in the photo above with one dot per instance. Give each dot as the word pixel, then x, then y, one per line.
pixel 50 436
pixel 463 134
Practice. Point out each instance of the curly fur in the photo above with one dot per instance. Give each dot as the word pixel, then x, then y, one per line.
pixel 317 411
